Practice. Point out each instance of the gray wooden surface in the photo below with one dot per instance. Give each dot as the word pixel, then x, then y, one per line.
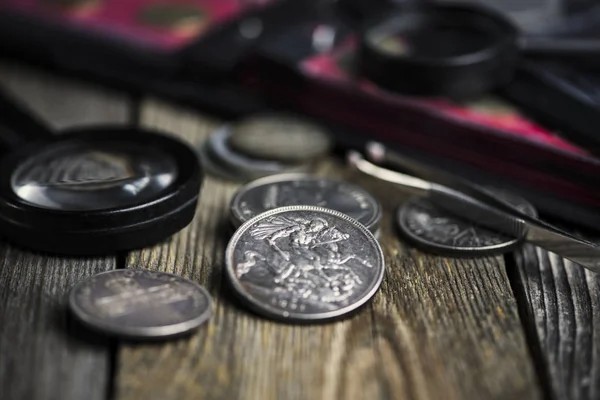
pixel 439 328
pixel 561 308
pixel 41 356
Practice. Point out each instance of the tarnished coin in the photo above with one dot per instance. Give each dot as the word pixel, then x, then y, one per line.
pixel 304 263
pixel 301 189
pixel 280 137
pixel 438 231
pixel 212 167
pixel 242 167
pixel 140 303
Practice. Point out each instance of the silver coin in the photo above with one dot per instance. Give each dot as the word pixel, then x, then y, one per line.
pixel 213 168
pixel 140 303
pixel 280 137
pixel 243 167
pixel 75 176
pixel 233 226
pixel 301 189
pixel 438 231
pixel 304 263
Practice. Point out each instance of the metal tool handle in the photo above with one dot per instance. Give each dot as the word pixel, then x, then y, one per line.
pixel 475 204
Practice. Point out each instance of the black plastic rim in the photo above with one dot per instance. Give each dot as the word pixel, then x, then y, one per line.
pixel 107 230
pixel 460 75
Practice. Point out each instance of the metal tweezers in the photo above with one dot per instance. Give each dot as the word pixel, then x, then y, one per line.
pixel 474 203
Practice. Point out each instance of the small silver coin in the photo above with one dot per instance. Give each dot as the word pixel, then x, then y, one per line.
pixel 140 304
pixel 302 189
pixel 438 231
pixel 241 166
pixel 304 263
pixel 280 137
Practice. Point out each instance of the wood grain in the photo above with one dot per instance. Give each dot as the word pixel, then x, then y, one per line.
pixel 561 301
pixel 60 102
pixel 438 328
pixel 43 354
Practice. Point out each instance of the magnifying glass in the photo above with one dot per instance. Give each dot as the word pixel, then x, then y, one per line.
pixel 451 49
pixel 92 191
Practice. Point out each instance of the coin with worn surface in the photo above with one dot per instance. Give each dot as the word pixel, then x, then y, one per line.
pixel 301 189
pixel 280 137
pixel 140 304
pixel 438 231
pixel 304 263
pixel 241 166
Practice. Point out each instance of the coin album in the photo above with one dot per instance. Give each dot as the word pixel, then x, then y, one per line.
pixel 298 56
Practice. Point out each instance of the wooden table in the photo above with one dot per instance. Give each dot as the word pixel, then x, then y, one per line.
pixel 523 326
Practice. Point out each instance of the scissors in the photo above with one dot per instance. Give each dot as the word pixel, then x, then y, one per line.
pixel 474 203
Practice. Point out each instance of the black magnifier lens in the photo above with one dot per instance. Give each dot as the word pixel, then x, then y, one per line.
pixel 455 50
pixel 86 177
pixel 432 42
pixel 92 191
pixel 98 191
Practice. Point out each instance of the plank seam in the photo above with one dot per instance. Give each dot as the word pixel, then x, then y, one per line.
pixel 526 316
pixel 113 346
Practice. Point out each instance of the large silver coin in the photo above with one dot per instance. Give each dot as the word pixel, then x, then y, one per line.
pixel 300 189
pixel 304 263
pixel 437 230
pixel 77 177
pixel 244 168
pixel 280 137
pixel 140 303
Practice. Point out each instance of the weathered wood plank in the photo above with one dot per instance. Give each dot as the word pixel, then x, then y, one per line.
pixel 439 328
pixel 450 326
pixel 40 358
pixel 62 103
pixel 561 302
pixel 42 354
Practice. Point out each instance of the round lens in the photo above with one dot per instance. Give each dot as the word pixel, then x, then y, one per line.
pixel 80 177
pixel 428 40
